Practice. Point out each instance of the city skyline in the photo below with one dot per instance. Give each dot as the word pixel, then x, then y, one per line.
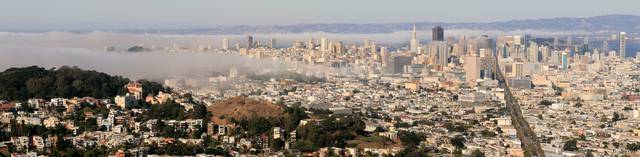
pixel 324 78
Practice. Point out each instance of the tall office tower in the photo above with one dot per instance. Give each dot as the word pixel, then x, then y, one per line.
pixel 533 52
pixel 460 48
pixel 595 56
pixel 399 62
pixel 518 69
pixel 437 34
pixel 565 60
pixel 443 54
pixel 472 67
pixel 365 43
pixel 323 44
pixel 502 51
pixel 339 47
pixel 383 55
pixel 372 47
pixel 272 43
pixel 545 53
pixel 250 42
pixel 225 43
pixel 331 48
pixel 555 57
pixel 623 45
pixel 527 38
pixel 518 40
pixel 413 44
pixel 310 44
pixel 484 42
pixel 556 41
pixel 605 45
pixel 569 42
pixel 438 53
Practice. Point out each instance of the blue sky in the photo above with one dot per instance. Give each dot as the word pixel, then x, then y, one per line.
pixel 128 14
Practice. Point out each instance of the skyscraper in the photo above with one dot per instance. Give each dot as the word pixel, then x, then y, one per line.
pixel 272 43
pixel 383 55
pixel 372 46
pixel 439 53
pixel 323 44
pixel 565 60
pixel 250 42
pixel 555 43
pixel 605 46
pixel 472 68
pixel 533 52
pixel 518 69
pixel 310 44
pixel 413 44
pixel 437 34
pixel 399 62
pixel 623 44
pixel 225 43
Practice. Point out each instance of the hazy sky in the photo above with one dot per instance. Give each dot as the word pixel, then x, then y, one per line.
pixel 127 14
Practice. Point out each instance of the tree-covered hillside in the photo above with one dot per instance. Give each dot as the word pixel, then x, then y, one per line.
pixel 37 82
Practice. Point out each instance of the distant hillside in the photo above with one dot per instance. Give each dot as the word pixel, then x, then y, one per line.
pixel 241 107
pixel 628 23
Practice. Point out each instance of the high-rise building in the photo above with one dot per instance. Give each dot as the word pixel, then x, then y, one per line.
pixel 484 42
pixel 399 62
pixel 225 43
pixel 437 34
pixel 518 69
pixel 339 47
pixel 623 45
pixel 372 48
pixel 605 45
pixel 272 43
pixel 472 67
pixel 556 41
pixel 250 42
pixel 439 53
pixel 323 44
pixel 310 44
pixel 413 44
pixel 383 55
pixel 533 52
pixel 565 60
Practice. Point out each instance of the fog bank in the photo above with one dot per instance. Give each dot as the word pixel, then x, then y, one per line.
pixel 133 65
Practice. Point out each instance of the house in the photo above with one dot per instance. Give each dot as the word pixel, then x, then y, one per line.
pixel 50 122
pixel 125 101
pixel 21 143
pixel 135 88
pixel 38 142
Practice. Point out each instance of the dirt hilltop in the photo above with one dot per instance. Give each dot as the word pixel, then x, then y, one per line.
pixel 242 107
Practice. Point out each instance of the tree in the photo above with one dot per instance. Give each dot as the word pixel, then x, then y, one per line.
pixel 570 145
pixel 616 117
pixel 477 153
pixel 458 141
pixel 487 133
pixel 545 103
pixel 410 138
pixel 36 82
pixel 633 146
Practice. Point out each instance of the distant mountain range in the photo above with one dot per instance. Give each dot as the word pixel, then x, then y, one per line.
pixel 609 23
